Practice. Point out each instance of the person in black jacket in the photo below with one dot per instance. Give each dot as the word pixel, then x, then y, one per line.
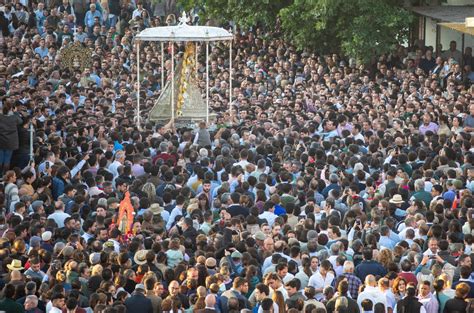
pixel 235 208
pixel 458 303
pixel 22 155
pixel 410 303
pixel 9 122
pixel 369 266
pixel 189 232
pixel 138 302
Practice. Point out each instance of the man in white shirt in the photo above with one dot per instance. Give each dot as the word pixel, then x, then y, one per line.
pixel 138 11
pixel 430 303
pixel 384 286
pixel 59 216
pixel 177 211
pixel 321 279
pixel 274 282
pixel 372 293
pixel 58 303
pixel 278 246
pixel 268 215
pixel 119 159
pixel 282 272
pixel 432 247
pixel 243 159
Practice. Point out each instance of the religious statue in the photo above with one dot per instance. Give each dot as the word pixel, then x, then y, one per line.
pixel 76 57
pixel 125 217
pixel 188 101
pixel 189 104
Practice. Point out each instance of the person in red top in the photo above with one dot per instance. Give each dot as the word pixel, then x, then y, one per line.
pixel 406 273
pixel 164 155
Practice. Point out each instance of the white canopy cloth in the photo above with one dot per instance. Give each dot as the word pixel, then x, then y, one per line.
pixel 181 33
pixel 184 32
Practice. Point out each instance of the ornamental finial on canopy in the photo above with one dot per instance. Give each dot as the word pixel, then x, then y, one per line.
pixel 184 19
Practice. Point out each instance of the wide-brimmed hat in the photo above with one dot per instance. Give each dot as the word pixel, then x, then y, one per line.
pixel 15 265
pixel 211 263
pixel 396 199
pixel 140 257
pixel 156 209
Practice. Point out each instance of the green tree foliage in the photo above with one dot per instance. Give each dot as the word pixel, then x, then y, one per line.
pixel 377 28
pixel 245 13
pixel 357 28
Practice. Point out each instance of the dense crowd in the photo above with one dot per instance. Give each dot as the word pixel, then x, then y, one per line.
pixel 323 185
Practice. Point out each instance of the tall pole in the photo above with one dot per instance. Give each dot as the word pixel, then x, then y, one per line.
pixel 196 60
pixel 31 140
pixel 230 77
pixel 138 84
pixel 172 81
pixel 207 82
pixel 162 66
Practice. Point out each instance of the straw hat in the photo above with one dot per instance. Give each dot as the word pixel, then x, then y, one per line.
pixel 15 265
pixel 156 209
pixel 397 199
pixel 140 257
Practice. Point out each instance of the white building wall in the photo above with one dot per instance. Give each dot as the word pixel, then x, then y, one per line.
pixel 430 33
pixel 460 2
pixel 447 35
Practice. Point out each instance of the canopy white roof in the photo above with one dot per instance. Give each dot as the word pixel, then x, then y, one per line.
pixel 184 32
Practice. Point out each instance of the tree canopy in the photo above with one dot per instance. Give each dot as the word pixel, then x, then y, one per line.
pixel 356 28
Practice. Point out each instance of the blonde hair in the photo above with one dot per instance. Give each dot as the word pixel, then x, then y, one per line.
pixel 279 300
pixel 150 191
pixel 97 270
pixel 385 257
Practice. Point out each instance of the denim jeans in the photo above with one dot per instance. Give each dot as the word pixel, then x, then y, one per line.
pixel 5 156
pixel 112 21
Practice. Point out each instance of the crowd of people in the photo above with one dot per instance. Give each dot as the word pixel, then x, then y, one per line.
pixel 323 185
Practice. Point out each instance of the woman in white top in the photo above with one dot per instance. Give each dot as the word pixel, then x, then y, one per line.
pixel 308 267
pixel 457 125
pixel 322 279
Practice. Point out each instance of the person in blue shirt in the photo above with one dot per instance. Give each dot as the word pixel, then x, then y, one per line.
pixel 385 240
pixel 333 179
pixel 89 19
pixel 42 50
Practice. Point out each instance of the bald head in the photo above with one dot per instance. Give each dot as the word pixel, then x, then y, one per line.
pixel 370 280
pixel 16 275
pixel 210 301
